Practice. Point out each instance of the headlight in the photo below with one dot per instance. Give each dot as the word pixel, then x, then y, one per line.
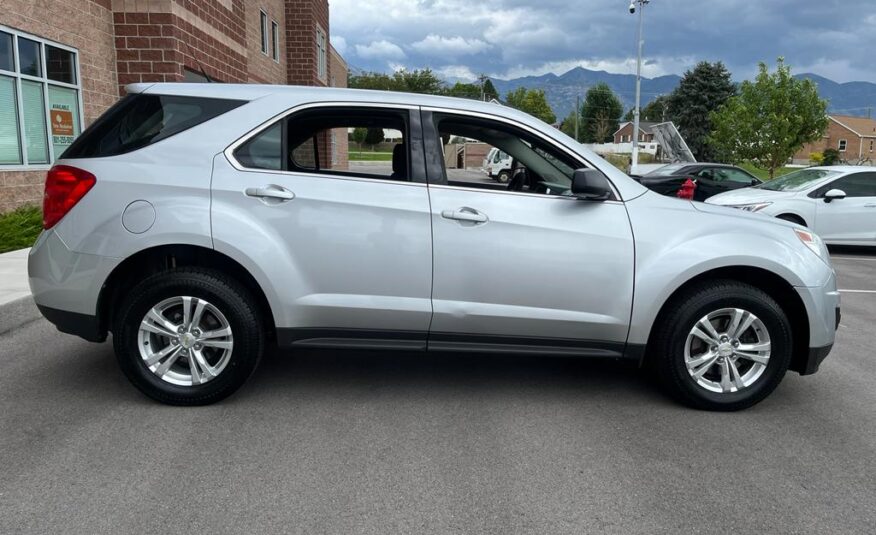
pixel 755 207
pixel 814 243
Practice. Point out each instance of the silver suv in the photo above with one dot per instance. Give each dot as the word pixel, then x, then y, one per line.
pixel 199 223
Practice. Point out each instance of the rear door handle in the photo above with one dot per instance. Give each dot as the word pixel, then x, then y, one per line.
pixel 270 194
pixel 465 214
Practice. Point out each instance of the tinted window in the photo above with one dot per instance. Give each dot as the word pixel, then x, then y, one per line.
pixel 725 174
pixel 60 65
pixel 856 185
pixel 29 57
pixel 140 120
pixel 798 180
pixel 6 57
pixel 264 151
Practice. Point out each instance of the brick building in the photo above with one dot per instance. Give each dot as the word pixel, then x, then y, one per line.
pixel 624 134
pixel 853 137
pixel 63 62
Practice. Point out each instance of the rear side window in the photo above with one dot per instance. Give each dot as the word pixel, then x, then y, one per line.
pixel 140 120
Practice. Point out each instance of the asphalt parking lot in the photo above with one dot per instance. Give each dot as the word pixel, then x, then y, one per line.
pixel 352 442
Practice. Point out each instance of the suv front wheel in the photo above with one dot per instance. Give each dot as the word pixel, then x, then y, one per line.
pixel 723 345
pixel 188 336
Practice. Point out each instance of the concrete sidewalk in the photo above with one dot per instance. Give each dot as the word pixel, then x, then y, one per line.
pixel 16 306
pixel 13 276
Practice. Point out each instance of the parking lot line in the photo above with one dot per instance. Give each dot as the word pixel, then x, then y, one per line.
pixel 858 291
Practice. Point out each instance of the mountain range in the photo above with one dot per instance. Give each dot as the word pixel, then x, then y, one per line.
pixel 851 98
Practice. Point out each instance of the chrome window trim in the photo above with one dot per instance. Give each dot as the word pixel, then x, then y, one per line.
pixel 520 193
pixel 229 151
pixel 552 142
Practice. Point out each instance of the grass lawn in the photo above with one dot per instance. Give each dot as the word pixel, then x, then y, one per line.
pixel 20 228
pixel 368 156
pixel 764 174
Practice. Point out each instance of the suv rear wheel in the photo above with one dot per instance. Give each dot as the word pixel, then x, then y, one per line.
pixel 723 345
pixel 188 336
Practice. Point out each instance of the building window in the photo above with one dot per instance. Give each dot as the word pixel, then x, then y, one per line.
pixel 321 54
pixel 842 145
pixel 871 145
pixel 275 41
pixel 263 27
pixel 40 104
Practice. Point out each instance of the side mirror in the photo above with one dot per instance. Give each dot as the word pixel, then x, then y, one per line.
pixel 590 185
pixel 755 182
pixel 834 194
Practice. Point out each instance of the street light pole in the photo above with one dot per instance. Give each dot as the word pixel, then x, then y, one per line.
pixel 640 43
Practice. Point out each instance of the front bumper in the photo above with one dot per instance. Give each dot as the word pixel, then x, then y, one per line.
pixel 823 309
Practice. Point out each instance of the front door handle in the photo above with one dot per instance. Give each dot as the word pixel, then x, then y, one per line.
pixel 465 214
pixel 872 205
pixel 270 194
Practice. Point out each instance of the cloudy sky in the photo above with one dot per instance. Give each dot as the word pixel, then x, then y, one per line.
pixel 511 38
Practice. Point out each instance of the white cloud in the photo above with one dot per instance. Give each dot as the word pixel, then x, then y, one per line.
pixel 382 49
pixel 456 72
pixel 454 46
pixel 650 69
pixel 339 43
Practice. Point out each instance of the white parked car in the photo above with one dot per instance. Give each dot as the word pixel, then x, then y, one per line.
pixel 838 203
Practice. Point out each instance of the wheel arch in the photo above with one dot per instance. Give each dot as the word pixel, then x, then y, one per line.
pixel 769 282
pixel 163 258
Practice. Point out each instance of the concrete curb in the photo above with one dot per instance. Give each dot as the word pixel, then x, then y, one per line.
pixel 16 313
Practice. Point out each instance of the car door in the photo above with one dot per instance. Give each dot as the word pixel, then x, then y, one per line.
pixel 343 248
pixel 524 266
pixel 850 220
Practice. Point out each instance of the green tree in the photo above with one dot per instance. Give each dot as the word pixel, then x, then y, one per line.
pixel 655 111
pixel 567 126
pixel 830 157
pixel 359 135
pixel 373 137
pixel 533 102
pixel 490 92
pixel 701 91
pixel 600 114
pixel 472 91
pixel 770 120
pixel 416 81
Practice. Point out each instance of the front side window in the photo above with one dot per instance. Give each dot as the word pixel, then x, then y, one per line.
pixel 537 166
pixel 40 114
pixel 307 142
pixel 855 185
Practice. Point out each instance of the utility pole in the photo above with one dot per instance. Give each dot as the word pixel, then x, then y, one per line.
pixel 577 114
pixel 639 44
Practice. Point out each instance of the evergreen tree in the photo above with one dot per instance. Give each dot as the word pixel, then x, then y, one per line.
pixel 600 114
pixel 701 91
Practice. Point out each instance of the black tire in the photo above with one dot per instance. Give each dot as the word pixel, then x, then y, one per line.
pixel 680 316
pixel 234 301
pixel 503 177
pixel 792 218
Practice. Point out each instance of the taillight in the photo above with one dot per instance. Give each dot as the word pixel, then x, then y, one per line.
pixel 65 186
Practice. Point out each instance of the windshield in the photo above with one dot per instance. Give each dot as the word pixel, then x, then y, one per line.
pixel 667 170
pixel 798 180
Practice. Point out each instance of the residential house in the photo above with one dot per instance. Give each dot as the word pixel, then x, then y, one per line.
pixel 853 137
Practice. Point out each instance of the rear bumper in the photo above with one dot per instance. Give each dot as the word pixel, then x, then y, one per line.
pixel 82 325
pixel 66 285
